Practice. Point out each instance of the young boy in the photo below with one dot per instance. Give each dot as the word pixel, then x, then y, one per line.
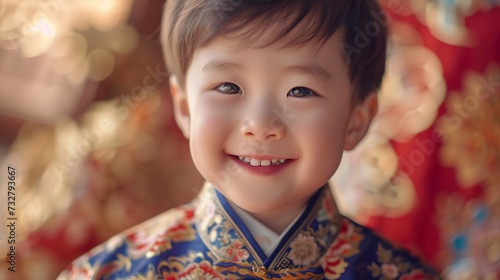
pixel 269 94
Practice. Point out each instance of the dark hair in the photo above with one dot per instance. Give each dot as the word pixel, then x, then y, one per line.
pixel 191 24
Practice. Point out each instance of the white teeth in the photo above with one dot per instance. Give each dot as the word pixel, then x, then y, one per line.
pixel 244 159
pixel 266 162
pixel 255 162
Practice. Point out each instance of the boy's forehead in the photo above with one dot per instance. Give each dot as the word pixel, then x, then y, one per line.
pixel 234 44
pixel 256 34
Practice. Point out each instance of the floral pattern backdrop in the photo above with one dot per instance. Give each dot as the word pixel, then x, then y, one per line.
pixel 426 176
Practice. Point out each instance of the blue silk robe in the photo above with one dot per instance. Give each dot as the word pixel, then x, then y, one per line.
pixel 207 240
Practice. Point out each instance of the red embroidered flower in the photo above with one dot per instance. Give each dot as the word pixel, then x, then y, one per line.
pixel 347 241
pixel 334 266
pixel 203 270
pixel 390 270
pixel 234 252
pixel 159 236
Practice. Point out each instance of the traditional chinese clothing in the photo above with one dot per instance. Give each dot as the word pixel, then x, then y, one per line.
pixel 206 239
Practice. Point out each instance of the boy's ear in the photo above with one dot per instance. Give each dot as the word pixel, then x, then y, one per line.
pixel 361 118
pixel 181 108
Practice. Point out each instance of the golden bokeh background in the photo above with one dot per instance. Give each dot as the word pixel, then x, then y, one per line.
pixel 86 120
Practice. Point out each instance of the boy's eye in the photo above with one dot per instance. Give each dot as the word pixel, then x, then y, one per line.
pixel 301 92
pixel 229 88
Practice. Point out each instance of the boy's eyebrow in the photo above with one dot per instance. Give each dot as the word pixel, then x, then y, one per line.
pixel 220 65
pixel 311 70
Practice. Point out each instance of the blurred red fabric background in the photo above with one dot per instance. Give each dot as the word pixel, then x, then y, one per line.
pixel 427 176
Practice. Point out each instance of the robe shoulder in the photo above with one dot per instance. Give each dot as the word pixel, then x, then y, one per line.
pixel 163 235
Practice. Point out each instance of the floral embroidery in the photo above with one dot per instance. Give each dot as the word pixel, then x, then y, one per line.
pixel 390 270
pixel 82 273
pixel 201 271
pixel 109 268
pixel 390 266
pixel 345 245
pixel 348 240
pixel 470 128
pixel 334 267
pixel 190 266
pixel 149 275
pixel 172 246
pixel 206 209
pixel 304 250
pixel 217 229
pixel 235 252
pixel 159 236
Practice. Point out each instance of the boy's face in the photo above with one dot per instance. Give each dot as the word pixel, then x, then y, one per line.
pixel 264 105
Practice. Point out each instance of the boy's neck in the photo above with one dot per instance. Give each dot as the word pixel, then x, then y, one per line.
pixel 279 220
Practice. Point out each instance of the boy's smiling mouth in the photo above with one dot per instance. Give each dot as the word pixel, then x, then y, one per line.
pixel 261 162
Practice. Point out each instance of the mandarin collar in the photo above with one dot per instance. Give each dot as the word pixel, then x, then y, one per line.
pixel 230 241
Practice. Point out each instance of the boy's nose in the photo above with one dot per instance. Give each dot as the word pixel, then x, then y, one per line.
pixel 263 126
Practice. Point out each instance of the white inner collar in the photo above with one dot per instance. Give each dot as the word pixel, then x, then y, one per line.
pixel 267 239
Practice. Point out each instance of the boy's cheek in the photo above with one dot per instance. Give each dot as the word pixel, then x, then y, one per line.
pixel 210 128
